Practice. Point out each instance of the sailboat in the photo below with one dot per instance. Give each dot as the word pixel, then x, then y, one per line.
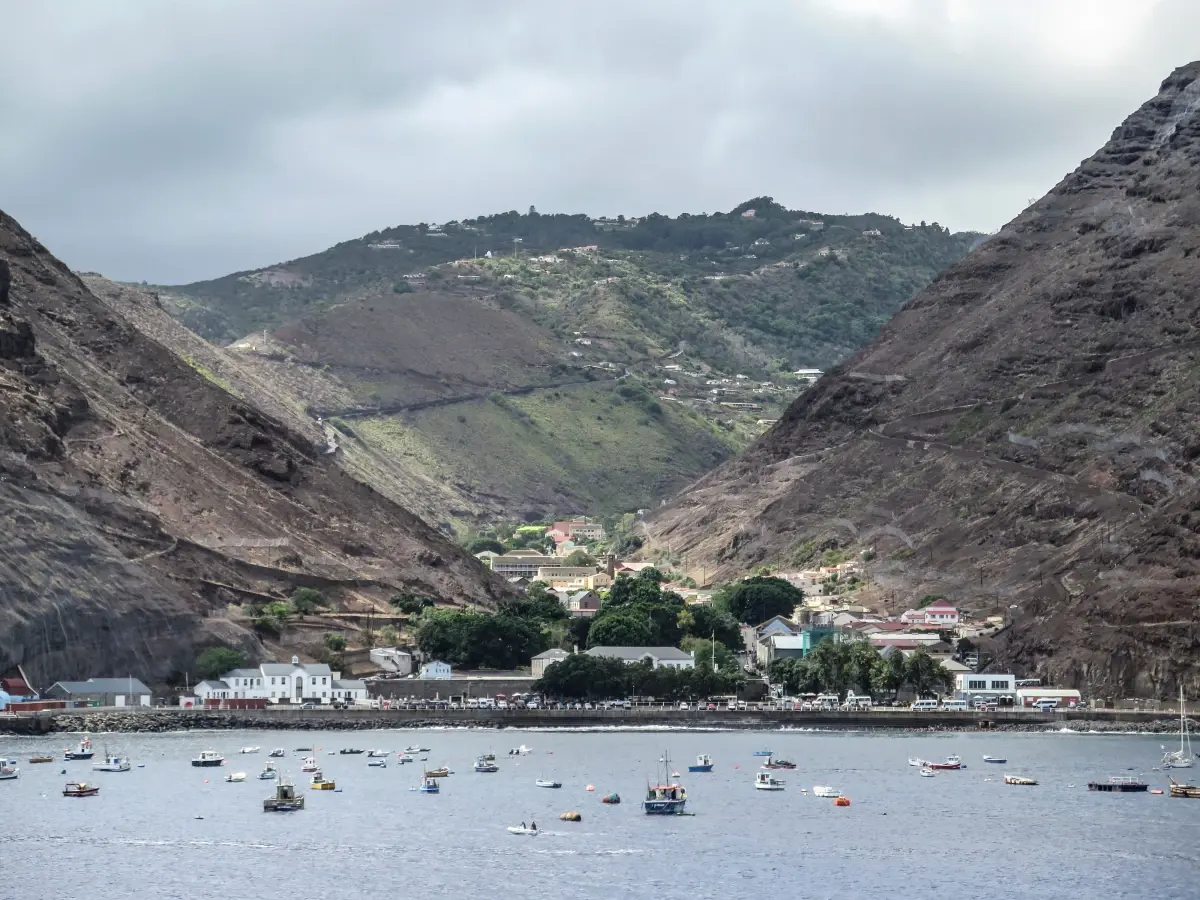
pixel 1181 758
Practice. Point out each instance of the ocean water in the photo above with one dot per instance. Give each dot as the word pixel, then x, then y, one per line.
pixel 964 835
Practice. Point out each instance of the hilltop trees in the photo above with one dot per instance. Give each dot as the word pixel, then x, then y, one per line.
pixel 757 599
pixel 583 677
pixel 838 667
pixel 639 613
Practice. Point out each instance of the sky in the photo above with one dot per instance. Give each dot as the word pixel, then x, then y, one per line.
pixel 173 142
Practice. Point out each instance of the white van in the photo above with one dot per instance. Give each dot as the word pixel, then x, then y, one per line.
pixel 924 705
pixel 955 704
pixel 1046 703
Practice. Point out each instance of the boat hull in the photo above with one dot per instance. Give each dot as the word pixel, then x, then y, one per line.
pixel 1137 788
pixel 707 768
pixel 664 807
pixel 207 763
pixel 323 786
pixel 75 754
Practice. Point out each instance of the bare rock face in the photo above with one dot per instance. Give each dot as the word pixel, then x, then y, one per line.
pixel 140 498
pixel 1024 436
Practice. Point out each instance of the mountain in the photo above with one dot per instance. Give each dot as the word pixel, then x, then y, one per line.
pixel 145 498
pixel 535 365
pixel 1022 437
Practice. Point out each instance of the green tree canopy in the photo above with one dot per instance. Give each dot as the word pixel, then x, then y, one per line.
pixel 758 598
pixel 410 603
pixel 335 642
pixel 622 628
pixel 479 545
pixel 711 622
pixel 579 558
pixel 705 650
pixel 306 600
pixel 538 603
pixel 474 640
pixel 214 662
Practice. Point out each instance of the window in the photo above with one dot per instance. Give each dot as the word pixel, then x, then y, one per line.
pixel 272 681
pixel 324 681
pixel 977 685
pixel 999 685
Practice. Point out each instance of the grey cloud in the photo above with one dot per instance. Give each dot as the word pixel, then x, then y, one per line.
pixel 171 142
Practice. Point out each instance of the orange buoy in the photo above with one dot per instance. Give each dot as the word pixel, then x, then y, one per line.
pixel 590 788
pixel 841 801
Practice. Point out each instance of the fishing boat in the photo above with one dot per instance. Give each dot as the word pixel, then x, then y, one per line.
pixel 41 759
pixel 762 753
pixel 249 749
pixel 824 790
pixel 765 781
pixel 379 753
pixel 83 751
pixel 309 765
pixel 235 777
pixel 521 829
pixel 926 772
pixel 1181 758
pixel 704 763
pixel 483 765
pixel 269 772
pixel 488 757
pixel 614 798
pixel 285 799
pixel 429 786
pixel 548 783
pixel 9 771
pixel 773 763
pixel 318 782
pixel 278 753
pixel 208 759
pixel 520 751
pixel 439 772
pixel 404 758
pixel 349 751
pixel 112 763
pixel 667 798
pixel 80 789
pixel 1019 779
pixel 1189 791
pixel 1121 784
pixel 378 763
pixel 995 759
pixel 951 763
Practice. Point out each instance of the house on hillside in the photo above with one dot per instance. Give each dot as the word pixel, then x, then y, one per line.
pixel 435 670
pixel 520 563
pixel 939 614
pixel 101 691
pixel 543 661
pixel 669 657
pixel 392 659
pixel 583 603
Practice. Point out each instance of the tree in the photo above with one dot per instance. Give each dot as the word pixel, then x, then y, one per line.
pixel 580 558
pixel 864 666
pixel 306 600
pixel 829 665
pixel 409 603
pixel 272 618
pixel 624 628
pixel 538 603
pixel 578 628
pixel 758 599
pixel 894 672
pixel 709 622
pixel 335 642
pixel 479 545
pixel 926 674
pixel 705 650
pixel 216 661
pixel 474 640
pixel 388 636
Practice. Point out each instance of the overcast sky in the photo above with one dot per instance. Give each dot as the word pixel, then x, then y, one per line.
pixel 177 141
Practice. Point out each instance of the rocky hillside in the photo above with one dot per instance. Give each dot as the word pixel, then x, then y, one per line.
pixel 519 363
pixel 143 495
pixel 1023 436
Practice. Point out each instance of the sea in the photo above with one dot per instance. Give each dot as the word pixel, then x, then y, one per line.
pixel 168 830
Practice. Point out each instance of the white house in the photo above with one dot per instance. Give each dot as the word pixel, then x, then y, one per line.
pixel 435 670
pixel 392 659
pixel 941 614
pixel 543 661
pixel 293 682
pixel 670 657
pixel 969 685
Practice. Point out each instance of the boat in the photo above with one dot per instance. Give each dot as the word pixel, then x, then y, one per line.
pixel 668 798
pixel 439 772
pixel 704 763
pixel 236 777
pixel 483 765
pixel 614 798
pixel 914 761
pixel 762 753
pixel 927 772
pixel 9 771
pixel 209 758
pixel 521 829
pixel 1189 791
pixel 520 751
pixel 83 751
pixel 41 759
pixel 841 801
pixel 318 782
pixel 80 789
pixel 350 751
pixel 995 759
pixel 1019 779
pixel 404 758
pixel 415 749
pixel 1181 758
pixel 112 763
pixel 488 757
pixel 249 749
pixel 304 749
pixel 773 763
pixel 268 772
pixel 285 799
pixel 765 781
pixel 1120 784
pixel 378 763
pixel 548 783
pixel 309 764
pixel 379 753
pixel 824 790
pixel 278 753
pixel 429 786
pixel 951 763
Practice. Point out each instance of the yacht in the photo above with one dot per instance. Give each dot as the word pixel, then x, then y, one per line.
pixel 112 763
pixel 1181 758
pixel 277 753
pixel 209 758
pixel 765 781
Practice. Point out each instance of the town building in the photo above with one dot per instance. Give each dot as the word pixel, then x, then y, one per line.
pixel 392 659
pixel 990 686
pixel 543 661
pixel 520 563
pixel 293 682
pixel 670 657
pixel 939 614
pixel 435 670
pixel 587 578
pixel 579 603
pixel 101 692
pixel 1028 696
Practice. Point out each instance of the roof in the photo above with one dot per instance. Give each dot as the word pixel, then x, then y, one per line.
pixel 353 684
pixel 943 605
pixel 636 653
pixel 579 595
pixel 435 662
pixel 104 686
pixel 954 667
pixel 554 653
pixel 311 669
pixel 213 685
pixel 789 641
pixel 242 673
pixel 17 687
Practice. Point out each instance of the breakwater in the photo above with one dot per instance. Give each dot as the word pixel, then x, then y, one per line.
pixel 161 720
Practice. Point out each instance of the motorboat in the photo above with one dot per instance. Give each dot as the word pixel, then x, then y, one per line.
pixel 249 749
pixel 927 772
pixel 309 764
pixel 83 751
pixel 548 783
pixel 41 758
pixel 765 781
pixel 704 763
pixel 762 753
pixel 439 772
pixel 235 777
pixel 520 751
pixel 773 763
pixel 285 799
pixel 824 790
pixel 521 829
pixel 1120 784
pixel 917 761
pixel 429 786
pixel 404 758
pixel 208 759
pixel 9 770
pixel 995 759
pixel 951 763
pixel 268 772
pixel 415 749
pixel 278 753
pixel 1181 758
pixel 80 789
pixel 377 763
pixel 1019 779
pixel 318 782
pixel 350 751
pixel 483 765
pixel 379 753
pixel 668 797
pixel 112 763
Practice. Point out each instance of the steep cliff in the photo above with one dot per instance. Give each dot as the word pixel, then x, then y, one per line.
pixel 1023 436
pixel 140 495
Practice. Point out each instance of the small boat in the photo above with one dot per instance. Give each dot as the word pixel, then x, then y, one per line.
pixel 318 782
pixel 773 763
pixel 762 753
pixel 927 772
pixel 304 749
pixel 268 772
pixel 83 751
pixel 914 761
pixel 235 777
pixel 378 763
pixel 765 781
pixel 285 799
pixel 350 751
pixel 995 759
pixel 841 801
pixel 429 786
pixel 1120 784
pixel 1188 791
pixel 1156 791
pixel 951 763
pixel 404 757
pixel 249 750
pixel 824 790
pixel 520 751
pixel 278 753
pixel 614 798
pixel 80 789
pixel 704 763
pixel 439 772
pixel 208 759
pixel 521 829
pixel 9 771
pixel 483 765
pixel 1019 779
pixel 41 759
pixel 309 765
pixel 415 749
pixel 1181 758
pixel 112 763
pixel 379 753
pixel 488 757
pixel 548 783
pixel 668 798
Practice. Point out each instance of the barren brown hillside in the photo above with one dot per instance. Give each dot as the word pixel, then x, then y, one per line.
pixel 1023 436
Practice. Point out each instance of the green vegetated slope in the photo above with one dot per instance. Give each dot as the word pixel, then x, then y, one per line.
pixel 700 320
